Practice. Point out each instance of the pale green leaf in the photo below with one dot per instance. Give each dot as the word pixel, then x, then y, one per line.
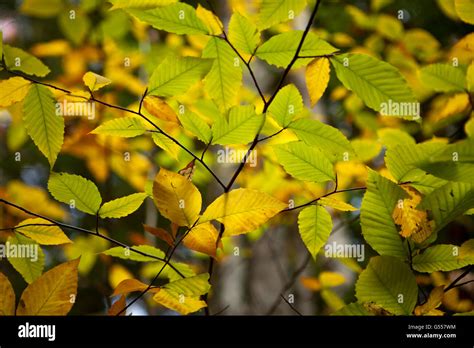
pixel 329 139
pixel 29 257
pixel 243 33
pixel 42 231
pixel 193 286
pixel 389 283
pixel 448 202
pixel 376 82
pixel 166 144
pixel 139 3
pixel 378 227
pixel 196 125
pixel 123 206
pixel 315 225
pixel 130 254
pixel 225 78
pixel 280 49
pixel 43 125
pixel 353 309
pixel 240 128
pixel 126 127
pixel 465 10
pixel 178 18
pixel 277 11
pixel 441 257
pixel 174 76
pixel 287 104
pixel 17 59
pixel 304 162
pixel 443 78
pixel 76 191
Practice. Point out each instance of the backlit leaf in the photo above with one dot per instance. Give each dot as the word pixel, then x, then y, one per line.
pixel 317 78
pixel 29 258
pixel 19 60
pixel 13 90
pixel 123 206
pixel 443 78
pixel 46 235
pixel 240 128
pixel 277 11
pixel 126 127
pixel 287 104
pixel 95 81
pixel 315 225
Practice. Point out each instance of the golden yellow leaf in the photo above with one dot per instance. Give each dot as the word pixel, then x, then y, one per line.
pixel 433 302
pixel 53 293
pixel 317 78
pixel 212 22
pixel 242 210
pixel 13 90
pixel 202 238
pixel 37 230
pixel 7 297
pixel 51 48
pixel 159 108
pixel 179 302
pixel 117 307
pixel 176 197
pixel 95 81
pixel 336 204
pixel 331 279
pixel 131 285
pixel 414 223
pixel 118 274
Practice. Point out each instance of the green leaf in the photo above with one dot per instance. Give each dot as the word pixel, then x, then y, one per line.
pixel 192 286
pixel 443 78
pixel 43 125
pixel 178 18
pixel 389 283
pixel 240 128
pixel 441 257
pixel 166 144
pixel 287 104
pixel 465 10
pixel 353 309
pixel 150 269
pixel 75 29
pixel 448 202
pixel 376 82
pixel 17 59
pixel 243 33
pixel 38 230
pixel 126 127
pixel 304 162
pixel 123 206
pixel 378 227
pixel 329 139
pixel 174 76
pixel 403 161
pixel 30 264
pixel 315 225
pixel 454 163
pixel 129 254
pixel 225 78
pixel 196 125
pixel 280 49
pixel 390 137
pixel 277 11
pixel 76 191
pixel 42 8
pixel 139 3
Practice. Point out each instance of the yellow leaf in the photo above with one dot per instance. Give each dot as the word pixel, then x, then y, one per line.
pixel 51 294
pixel 242 210
pixel 7 297
pixel 118 274
pixel 159 108
pixel 46 235
pixel 434 300
pixel 95 81
pixel 131 285
pixel 336 204
pixel 317 78
pixel 414 223
pixel 176 197
pixel 13 90
pixel 178 302
pixel 51 48
pixel 118 307
pixel 212 22
pixel 202 238
pixel 331 279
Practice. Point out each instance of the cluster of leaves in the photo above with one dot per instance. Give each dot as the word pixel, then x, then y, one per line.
pixel 195 99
